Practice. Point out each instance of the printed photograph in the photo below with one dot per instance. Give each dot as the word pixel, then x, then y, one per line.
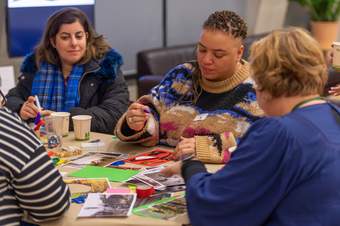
pixel 94 159
pixel 164 211
pixel 107 205
pixel 174 180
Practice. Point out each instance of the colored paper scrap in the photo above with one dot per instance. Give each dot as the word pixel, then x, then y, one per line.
pixel 117 175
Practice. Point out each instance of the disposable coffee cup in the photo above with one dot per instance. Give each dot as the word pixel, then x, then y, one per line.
pixel 336 55
pixel 53 131
pixel 82 127
pixel 64 119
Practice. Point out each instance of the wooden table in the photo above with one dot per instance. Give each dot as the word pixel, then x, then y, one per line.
pixel 114 145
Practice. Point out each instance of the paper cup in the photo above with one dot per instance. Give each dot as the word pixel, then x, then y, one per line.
pixel 82 127
pixel 336 55
pixel 64 119
pixel 53 131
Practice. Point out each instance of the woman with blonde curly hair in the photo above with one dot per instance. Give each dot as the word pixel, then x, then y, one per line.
pixel 285 170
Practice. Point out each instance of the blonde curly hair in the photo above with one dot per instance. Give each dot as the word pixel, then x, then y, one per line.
pixel 288 62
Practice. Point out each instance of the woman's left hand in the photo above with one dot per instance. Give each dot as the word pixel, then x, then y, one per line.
pixel 335 90
pixel 46 112
pixel 172 169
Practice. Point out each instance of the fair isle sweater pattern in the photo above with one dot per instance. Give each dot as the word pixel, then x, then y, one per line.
pixel 229 107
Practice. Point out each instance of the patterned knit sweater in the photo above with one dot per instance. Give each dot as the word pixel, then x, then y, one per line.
pixel 222 111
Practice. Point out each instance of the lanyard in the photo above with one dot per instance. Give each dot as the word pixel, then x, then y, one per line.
pixel 306 101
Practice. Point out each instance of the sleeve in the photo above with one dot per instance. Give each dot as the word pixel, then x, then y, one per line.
pixel 112 106
pixel 162 95
pixel 247 189
pixel 19 94
pixel 215 148
pixel 40 189
pixel 148 136
pixel 190 168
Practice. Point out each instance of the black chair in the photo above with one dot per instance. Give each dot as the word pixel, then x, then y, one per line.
pixel 152 64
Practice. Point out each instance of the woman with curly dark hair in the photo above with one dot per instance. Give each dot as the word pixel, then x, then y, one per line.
pixel 199 106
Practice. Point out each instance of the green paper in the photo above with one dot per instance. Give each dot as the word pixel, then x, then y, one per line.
pixel 112 174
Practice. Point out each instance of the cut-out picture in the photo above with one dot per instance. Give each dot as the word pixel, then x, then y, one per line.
pixel 94 159
pixel 108 205
pixel 84 186
pixel 151 158
pixel 165 211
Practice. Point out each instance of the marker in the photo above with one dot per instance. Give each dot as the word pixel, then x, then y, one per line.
pixel 117 163
pixel 94 141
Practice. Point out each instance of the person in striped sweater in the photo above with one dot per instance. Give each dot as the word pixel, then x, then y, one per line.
pixel 29 183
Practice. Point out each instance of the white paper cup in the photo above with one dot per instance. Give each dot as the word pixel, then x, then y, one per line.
pixel 64 119
pixel 336 55
pixel 82 127
pixel 53 131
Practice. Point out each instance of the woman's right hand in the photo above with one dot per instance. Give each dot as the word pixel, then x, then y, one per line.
pixel 29 109
pixel 137 115
pixel 185 147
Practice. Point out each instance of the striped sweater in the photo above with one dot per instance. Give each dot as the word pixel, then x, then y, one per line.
pixel 222 111
pixel 28 180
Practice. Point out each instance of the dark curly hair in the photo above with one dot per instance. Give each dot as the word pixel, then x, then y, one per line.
pixel 227 21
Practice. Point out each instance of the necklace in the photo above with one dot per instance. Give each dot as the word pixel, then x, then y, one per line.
pixel 306 101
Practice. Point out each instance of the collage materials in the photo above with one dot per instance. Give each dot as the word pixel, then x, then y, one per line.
pixel 174 180
pixel 151 158
pixel 107 205
pixel 117 175
pixel 149 181
pixel 94 185
pixel 164 209
pixel 94 159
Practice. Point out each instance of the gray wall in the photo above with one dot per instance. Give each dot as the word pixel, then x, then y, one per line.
pixel 134 25
pixel 130 26
pixel 185 17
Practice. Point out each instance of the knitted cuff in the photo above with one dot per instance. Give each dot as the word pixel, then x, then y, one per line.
pixel 205 150
pixel 144 136
pixel 209 152
pixel 202 148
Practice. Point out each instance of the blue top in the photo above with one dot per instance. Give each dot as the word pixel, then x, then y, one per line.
pixel 286 171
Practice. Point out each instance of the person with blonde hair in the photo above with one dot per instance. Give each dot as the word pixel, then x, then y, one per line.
pixel 200 106
pixel 72 69
pixel 285 170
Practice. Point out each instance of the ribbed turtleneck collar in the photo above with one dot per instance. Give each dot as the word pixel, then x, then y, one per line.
pixel 238 77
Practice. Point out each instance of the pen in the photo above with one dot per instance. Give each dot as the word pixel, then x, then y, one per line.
pixel 94 141
pixel 37 102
